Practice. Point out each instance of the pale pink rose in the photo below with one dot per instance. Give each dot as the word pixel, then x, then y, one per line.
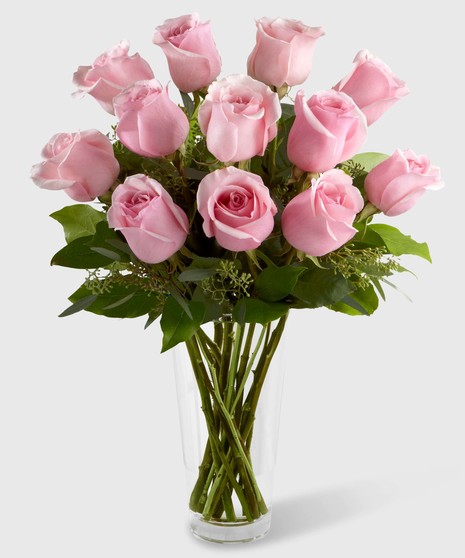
pixel 236 207
pixel 319 220
pixel 82 164
pixel 395 185
pixel 193 58
pixel 328 128
pixel 112 71
pixel 283 53
pixel 372 86
pixel 150 123
pixel 238 117
pixel 152 224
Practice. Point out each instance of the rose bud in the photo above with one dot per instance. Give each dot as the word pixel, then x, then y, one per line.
pixel 193 59
pixel 395 185
pixel 82 164
pixel 283 53
pixel 152 224
pixel 112 71
pixel 236 207
pixel 319 220
pixel 372 86
pixel 328 128
pixel 239 117
pixel 150 123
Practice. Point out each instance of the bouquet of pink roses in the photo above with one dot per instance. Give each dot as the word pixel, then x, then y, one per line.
pixel 231 208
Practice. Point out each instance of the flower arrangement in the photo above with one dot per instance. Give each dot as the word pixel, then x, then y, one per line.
pixel 231 208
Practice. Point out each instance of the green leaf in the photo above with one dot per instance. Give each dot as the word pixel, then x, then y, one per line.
pixel 213 309
pixel 152 318
pixel 196 274
pixel 275 283
pixel 200 269
pixel 176 324
pixel 78 220
pixel 107 253
pixel 188 103
pixel 369 160
pixel 91 252
pixel 253 310
pixel 81 304
pixel 398 243
pixel 321 287
pixel 360 302
pixel 79 255
pixel 119 302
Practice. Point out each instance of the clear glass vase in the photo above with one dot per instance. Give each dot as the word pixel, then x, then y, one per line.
pixel 229 382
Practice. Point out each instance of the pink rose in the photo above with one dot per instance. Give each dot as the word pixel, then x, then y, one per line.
pixel 236 207
pixel 152 224
pixel 372 86
pixel 396 184
pixel 193 59
pixel 239 117
pixel 284 51
pixel 112 71
pixel 319 220
pixel 150 123
pixel 328 128
pixel 82 164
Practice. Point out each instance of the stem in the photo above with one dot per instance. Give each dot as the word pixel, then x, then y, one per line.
pixel 206 390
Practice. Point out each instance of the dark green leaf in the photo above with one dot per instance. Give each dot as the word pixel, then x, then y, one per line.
pixel 90 252
pixel 176 324
pixel 196 274
pixel 78 220
pixel 321 287
pixel 81 304
pixel 119 302
pixel 276 283
pixel 398 243
pixel 107 253
pixel 253 310
pixel 79 255
pixel 188 103
pixel 360 302
pixel 213 309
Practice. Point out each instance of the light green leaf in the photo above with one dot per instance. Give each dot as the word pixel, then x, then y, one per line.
pixel 398 243
pixel 78 220
pixel 369 160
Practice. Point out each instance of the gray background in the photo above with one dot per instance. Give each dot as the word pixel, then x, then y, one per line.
pixel 371 459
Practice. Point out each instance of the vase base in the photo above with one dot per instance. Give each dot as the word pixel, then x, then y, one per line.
pixel 227 532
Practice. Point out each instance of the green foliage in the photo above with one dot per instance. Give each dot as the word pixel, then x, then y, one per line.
pixel 91 252
pixel 175 323
pixel 362 302
pixel 78 220
pixel 254 310
pixel 276 283
pixel 392 239
pixel 203 281
pixel 321 287
pixel 229 283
